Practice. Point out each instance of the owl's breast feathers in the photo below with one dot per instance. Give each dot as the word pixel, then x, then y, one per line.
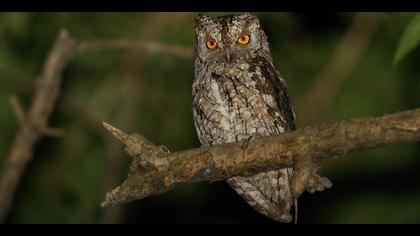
pixel 231 103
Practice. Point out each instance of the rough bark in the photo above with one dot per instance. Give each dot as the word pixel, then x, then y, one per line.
pixel 155 170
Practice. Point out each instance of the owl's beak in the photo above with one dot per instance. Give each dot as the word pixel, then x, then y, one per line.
pixel 228 56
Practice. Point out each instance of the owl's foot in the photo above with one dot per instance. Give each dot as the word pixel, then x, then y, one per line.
pixel 317 183
pixel 305 177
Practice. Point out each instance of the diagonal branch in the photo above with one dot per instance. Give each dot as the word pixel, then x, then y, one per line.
pixel 318 100
pixel 17 109
pixel 34 125
pixel 154 170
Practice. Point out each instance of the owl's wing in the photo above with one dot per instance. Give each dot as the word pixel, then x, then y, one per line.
pixel 266 192
pixel 269 192
pixel 277 88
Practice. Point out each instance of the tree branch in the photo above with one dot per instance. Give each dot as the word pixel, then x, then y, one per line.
pixel 34 125
pixel 150 46
pixel 155 170
pixel 319 98
pixel 17 109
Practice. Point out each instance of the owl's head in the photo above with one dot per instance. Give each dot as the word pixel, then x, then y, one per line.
pixel 229 39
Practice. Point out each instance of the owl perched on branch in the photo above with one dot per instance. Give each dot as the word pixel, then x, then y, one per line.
pixel 237 95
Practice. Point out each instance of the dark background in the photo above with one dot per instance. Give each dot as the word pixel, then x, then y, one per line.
pixel 337 66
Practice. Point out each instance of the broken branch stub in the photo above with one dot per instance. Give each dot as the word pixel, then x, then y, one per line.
pixel 146 170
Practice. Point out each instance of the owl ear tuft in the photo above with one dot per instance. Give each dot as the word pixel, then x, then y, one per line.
pixel 200 19
pixel 251 15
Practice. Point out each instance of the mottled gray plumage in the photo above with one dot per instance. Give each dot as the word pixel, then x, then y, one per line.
pixel 238 94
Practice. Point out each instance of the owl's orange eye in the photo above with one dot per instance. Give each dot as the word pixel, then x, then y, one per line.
pixel 211 44
pixel 244 40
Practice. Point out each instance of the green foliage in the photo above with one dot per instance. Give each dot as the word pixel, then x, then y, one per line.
pixel 409 40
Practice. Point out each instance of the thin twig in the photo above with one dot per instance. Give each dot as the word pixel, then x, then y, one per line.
pixel 18 109
pixel 152 47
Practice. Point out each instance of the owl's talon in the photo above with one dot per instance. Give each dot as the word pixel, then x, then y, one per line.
pixel 317 183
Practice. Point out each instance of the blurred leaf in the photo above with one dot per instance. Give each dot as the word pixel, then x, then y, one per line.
pixel 409 40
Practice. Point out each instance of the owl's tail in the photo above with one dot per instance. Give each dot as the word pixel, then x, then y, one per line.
pixel 268 193
pixel 295 202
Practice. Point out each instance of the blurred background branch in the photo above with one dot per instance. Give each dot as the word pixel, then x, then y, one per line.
pixel 152 47
pixel 35 125
pixel 18 110
pixel 317 101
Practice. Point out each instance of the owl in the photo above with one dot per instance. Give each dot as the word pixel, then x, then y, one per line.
pixel 238 94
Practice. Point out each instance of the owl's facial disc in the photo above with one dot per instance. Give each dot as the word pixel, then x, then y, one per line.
pixel 228 39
